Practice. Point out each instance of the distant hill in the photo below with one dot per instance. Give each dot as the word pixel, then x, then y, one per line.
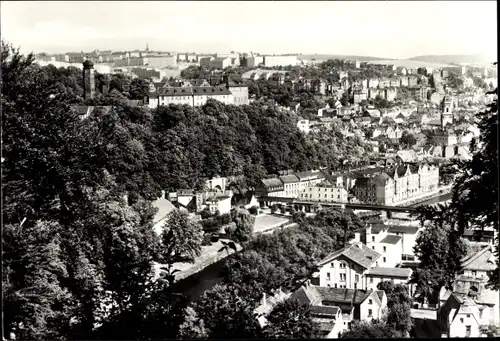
pixel 409 63
pixel 455 59
pixel 336 56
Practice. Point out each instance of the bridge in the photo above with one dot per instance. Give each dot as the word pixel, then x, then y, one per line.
pixel 307 205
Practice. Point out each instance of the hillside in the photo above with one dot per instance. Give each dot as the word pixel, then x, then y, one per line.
pixel 454 59
pixel 336 56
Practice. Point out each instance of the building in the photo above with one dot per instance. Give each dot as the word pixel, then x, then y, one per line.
pixel 459 317
pixel 308 178
pixel 268 303
pixel 360 95
pixel 205 61
pixel 272 187
pixel 161 61
pixel 345 268
pixel 397 184
pixel 143 72
pixel 304 125
pixel 374 276
pixel 220 63
pixel 446 107
pixel 445 137
pixel 291 185
pixel 271 61
pixel 324 191
pixel 390 94
pixel 192 96
pixel 390 246
pixel 352 304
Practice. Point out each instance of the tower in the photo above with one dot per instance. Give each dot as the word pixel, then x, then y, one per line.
pixel 147 47
pixel 446 111
pixel 88 79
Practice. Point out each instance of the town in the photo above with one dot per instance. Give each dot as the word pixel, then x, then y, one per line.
pixel 173 194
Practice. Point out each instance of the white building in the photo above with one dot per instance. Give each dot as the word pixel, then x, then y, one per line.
pixel 270 61
pixel 324 191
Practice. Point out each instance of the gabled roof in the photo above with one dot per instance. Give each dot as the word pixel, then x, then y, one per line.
pixel 357 252
pixel 479 260
pixel 344 299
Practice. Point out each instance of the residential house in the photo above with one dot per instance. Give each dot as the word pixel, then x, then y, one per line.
pixel 268 303
pixel 394 82
pixel 291 185
pixel 459 317
pixel 374 276
pixel 345 268
pixel 384 83
pixel 390 246
pixel 373 83
pixel 412 81
pixel 403 81
pixel 192 96
pixel 354 305
pixel 360 94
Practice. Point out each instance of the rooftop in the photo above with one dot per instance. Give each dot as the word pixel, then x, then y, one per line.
pixel 390 272
pixel 357 252
pixel 391 239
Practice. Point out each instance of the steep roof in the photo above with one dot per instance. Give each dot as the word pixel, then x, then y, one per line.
pixel 357 252
pixel 341 298
pixel 480 260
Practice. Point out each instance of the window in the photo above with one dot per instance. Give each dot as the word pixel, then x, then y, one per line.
pixel 461 320
pixel 385 248
pixel 342 265
pixel 373 247
pixel 371 279
pixel 373 238
pixel 370 301
pixel 474 273
pixel 335 285
pixel 370 313
pixel 468 315
pixel 328 275
pixel 384 259
pixel 342 277
pixel 467 331
pixel 356 278
pixel 332 265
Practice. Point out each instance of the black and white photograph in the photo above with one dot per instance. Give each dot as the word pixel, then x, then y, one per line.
pixel 232 170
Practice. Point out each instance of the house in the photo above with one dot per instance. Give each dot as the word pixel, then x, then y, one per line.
pixel 352 304
pixel 246 200
pixel 459 317
pixel 291 185
pixel 272 187
pixel 389 246
pixel 377 275
pixel 268 303
pixel 222 204
pixel 345 268
pixel 164 207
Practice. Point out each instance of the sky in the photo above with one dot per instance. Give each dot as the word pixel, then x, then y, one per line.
pixel 387 29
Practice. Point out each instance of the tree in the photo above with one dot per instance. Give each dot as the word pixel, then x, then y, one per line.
pixel 138 89
pixel 371 330
pixel 292 320
pixel 238 321
pixel 192 327
pixel 440 249
pixel 407 139
pixel 399 304
pixel 181 238
pixel 244 225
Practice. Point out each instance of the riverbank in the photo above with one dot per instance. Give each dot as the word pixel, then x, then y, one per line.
pixel 210 254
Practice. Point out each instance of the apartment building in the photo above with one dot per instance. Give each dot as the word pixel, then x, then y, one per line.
pixel 192 96
pixel 396 184
pixel 324 191
pixel 379 239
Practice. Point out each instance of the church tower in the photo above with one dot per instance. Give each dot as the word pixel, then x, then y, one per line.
pixel 446 111
pixel 88 79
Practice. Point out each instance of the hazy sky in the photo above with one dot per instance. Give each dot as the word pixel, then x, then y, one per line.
pixel 393 29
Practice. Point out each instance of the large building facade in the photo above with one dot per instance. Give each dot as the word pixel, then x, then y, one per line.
pixel 392 186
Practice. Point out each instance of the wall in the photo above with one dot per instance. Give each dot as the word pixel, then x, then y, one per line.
pixel 162 61
pixel 324 194
pixel 458 328
pixel 224 206
pixel 366 306
pixel 351 270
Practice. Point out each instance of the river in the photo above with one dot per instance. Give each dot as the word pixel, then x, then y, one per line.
pixel 195 285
